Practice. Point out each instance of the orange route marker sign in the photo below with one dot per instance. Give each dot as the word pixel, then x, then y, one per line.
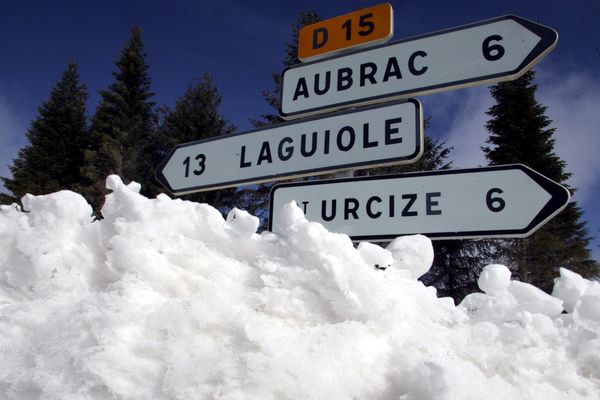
pixel 371 26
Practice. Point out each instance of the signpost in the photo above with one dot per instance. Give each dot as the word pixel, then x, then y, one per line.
pixel 501 201
pixel 485 52
pixel 370 26
pixel 364 138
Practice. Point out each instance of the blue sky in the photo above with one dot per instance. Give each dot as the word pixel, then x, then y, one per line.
pixel 241 44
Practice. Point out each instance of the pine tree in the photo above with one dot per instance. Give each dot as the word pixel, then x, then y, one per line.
pixel 53 158
pixel 520 133
pixel 456 267
pixel 196 116
pixel 123 126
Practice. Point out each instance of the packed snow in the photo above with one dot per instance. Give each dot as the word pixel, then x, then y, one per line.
pixel 166 299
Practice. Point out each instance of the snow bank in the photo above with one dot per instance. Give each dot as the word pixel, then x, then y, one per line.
pixel 165 299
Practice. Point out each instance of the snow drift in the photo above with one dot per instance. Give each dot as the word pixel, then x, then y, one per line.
pixel 165 299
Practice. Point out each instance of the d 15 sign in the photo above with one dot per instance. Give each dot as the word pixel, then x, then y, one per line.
pixel 490 51
pixel 371 25
pixel 502 201
pixel 369 137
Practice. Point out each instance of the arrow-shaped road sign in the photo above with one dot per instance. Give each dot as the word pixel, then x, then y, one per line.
pixel 375 136
pixel 485 52
pixel 500 201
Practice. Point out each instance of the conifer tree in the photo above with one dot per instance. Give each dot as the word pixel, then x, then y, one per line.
pixel 520 133
pixel 196 116
pixel 123 126
pixel 53 158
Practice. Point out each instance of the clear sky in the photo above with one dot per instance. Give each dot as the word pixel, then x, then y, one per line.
pixel 241 44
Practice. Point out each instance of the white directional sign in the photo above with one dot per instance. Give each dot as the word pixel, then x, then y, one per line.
pixel 502 201
pixel 490 51
pixel 369 137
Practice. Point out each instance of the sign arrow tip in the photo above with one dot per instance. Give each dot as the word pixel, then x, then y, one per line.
pixel 548 40
pixel 559 197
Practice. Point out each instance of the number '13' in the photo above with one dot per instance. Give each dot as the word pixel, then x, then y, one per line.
pixel 201 159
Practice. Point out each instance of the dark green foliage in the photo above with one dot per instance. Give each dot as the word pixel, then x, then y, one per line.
pixel 52 159
pixel 519 130
pixel 122 127
pixel 7 199
pixel 456 267
pixel 520 133
pixel 196 116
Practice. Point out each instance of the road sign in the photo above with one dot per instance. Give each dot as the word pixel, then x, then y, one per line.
pixel 500 201
pixel 368 26
pixel 375 136
pixel 490 51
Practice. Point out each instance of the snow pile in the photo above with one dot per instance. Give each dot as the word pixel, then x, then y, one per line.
pixel 164 299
